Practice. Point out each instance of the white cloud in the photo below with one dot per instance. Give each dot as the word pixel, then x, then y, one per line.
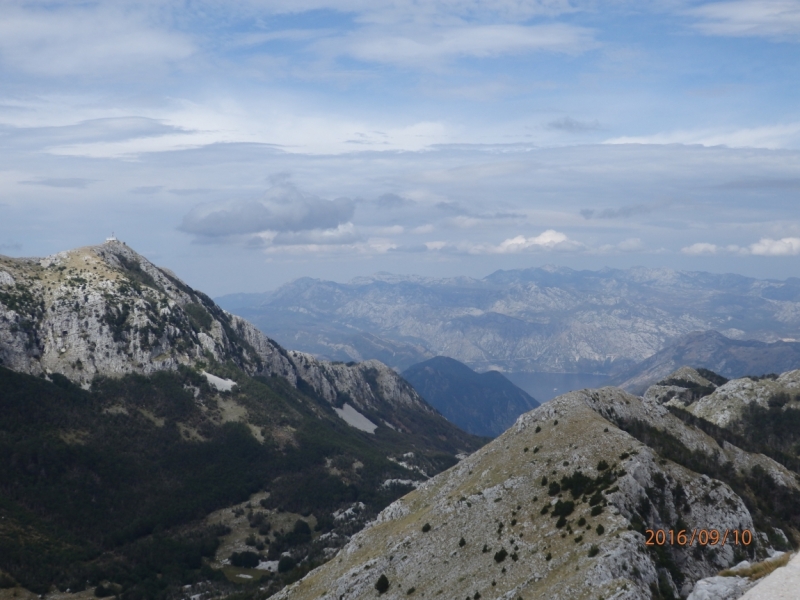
pixel 700 248
pixel 784 135
pixel 789 246
pixel 343 234
pixel 548 240
pixel 763 18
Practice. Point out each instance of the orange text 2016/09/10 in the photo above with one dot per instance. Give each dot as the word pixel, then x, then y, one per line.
pixel 703 537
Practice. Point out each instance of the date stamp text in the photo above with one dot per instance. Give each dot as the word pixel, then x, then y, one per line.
pixel 703 537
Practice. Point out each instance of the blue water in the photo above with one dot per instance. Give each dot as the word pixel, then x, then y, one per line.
pixel 546 386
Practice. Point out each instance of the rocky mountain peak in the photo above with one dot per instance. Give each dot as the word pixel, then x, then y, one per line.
pixel 107 310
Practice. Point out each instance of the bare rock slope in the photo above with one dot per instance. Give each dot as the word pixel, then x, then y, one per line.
pixel 106 310
pixel 558 508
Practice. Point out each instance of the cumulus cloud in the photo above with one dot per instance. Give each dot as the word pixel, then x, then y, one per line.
pixel 788 246
pixel 548 240
pixel 285 210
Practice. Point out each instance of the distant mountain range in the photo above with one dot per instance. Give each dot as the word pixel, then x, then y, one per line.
pixel 712 350
pixel 481 403
pixel 553 320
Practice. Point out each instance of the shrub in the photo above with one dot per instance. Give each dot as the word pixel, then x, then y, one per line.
pixel 596 510
pixel 549 556
pixel 602 465
pixel 426 528
pixel 561 522
pixel 600 530
pixel 594 550
pixel 462 542
pixel 286 563
pixel 102 591
pixel 382 584
pixel 581 521
pixel 538 429
pixel 563 508
pixel 410 591
pixel 246 559
pixel 500 555
pixel 554 488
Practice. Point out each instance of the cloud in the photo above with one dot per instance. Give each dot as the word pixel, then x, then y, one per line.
pixel 85 40
pixel 750 18
pixel 617 213
pixel 789 246
pixel 700 248
pixel 61 182
pixel 782 135
pixel 430 46
pixel 285 209
pixel 343 234
pixel 570 125
pixel 548 240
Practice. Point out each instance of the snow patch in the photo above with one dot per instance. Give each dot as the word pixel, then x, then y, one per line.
pixel 355 419
pixel 222 385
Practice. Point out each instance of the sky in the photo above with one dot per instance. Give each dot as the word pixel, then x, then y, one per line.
pixel 246 143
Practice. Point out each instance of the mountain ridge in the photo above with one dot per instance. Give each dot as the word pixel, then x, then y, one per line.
pixel 554 320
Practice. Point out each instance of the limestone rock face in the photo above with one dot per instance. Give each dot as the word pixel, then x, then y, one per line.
pixel 106 310
pixel 555 508
pixel 726 404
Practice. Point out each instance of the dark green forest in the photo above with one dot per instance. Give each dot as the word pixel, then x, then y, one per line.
pixel 102 485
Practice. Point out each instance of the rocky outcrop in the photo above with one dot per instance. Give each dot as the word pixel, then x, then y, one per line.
pixel 557 507
pixel 726 404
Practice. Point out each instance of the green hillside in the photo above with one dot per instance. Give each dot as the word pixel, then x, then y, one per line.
pixel 112 485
